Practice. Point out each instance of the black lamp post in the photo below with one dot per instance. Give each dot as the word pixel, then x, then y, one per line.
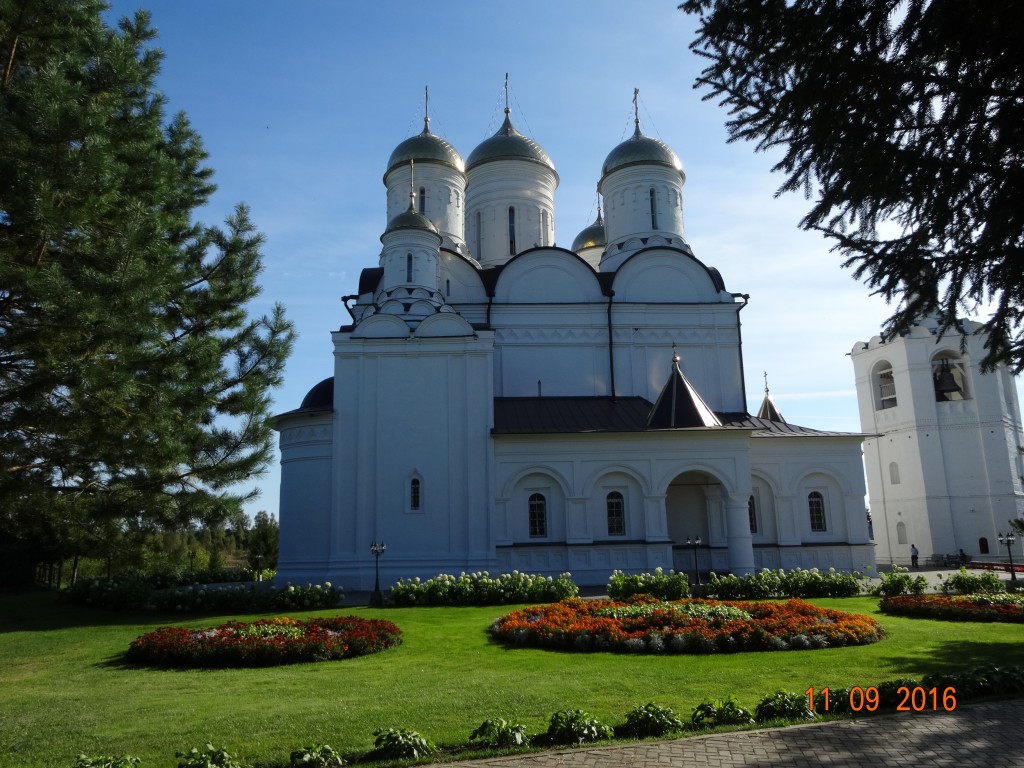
pixel 1008 540
pixel 377 598
pixel 696 570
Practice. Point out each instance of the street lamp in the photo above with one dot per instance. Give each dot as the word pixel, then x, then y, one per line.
pixel 377 598
pixel 1008 540
pixel 696 571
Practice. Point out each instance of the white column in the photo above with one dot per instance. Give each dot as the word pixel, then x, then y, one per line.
pixel 741 545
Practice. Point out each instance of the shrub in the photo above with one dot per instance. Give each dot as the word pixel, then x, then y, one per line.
pixel 481 589
pixel 106 761
pixel 574 726
pixel 779 583
pixel 965 583
pixel 666 586
pixel 209 757
pixel 899 582
pixel 649 720
pixel 320 756
pixel 712 713
pixel 783 705
pixel 399 744
pixel 133 595
pixel 500 734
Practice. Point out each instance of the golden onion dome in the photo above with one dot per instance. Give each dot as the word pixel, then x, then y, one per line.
pixel 591 237
pixel 425 147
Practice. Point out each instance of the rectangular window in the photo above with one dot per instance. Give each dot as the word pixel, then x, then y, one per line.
pixel 616 514
pixel 752 513
pixel 538 508
pixel 816 509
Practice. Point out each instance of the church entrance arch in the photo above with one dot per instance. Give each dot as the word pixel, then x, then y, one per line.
pixel 694 509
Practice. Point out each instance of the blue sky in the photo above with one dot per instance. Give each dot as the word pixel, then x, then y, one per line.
pixel 300 105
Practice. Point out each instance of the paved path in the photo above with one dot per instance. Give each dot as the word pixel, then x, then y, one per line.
pixel 989 735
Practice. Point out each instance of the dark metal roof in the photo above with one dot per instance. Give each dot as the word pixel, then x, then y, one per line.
pixel 680 405
pixel 563 415
pixel 574 415
pixel 767 428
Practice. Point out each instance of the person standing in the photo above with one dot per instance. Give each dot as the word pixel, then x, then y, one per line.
pixel 913 556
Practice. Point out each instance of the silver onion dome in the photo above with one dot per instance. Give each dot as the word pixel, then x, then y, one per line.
pixel 641 150
pixel 508 144
pixel 425 147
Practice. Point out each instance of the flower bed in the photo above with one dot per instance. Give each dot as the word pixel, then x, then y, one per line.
pixel 648 625
pixel 981 607
pixel 264 643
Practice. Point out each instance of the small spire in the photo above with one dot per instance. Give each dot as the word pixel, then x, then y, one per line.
pixel 507 110
pixel 426 109
pixel 636 112
pixel 675 355
pixel 766 382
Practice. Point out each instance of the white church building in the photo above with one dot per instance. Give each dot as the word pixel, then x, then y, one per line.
pixel 943 461
pixel 502 403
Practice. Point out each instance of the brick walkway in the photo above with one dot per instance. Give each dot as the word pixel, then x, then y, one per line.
pixel 989 735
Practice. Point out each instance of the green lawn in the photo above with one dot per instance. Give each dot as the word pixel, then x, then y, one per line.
pixel 64 690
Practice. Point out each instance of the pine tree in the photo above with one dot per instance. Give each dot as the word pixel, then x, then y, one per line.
pixel 133 384
pixel 903 122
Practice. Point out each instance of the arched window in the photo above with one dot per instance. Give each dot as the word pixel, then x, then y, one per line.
pixel 408 267
pixel 616 505
pixel 901 533
pixel 752 513
pixel 816 509
pixel 512 230
pixel 423 200
pixel 538 506
pixel 949 378
pixel 894 473
pixel 544 228
pixel 448 288
pixel 414 493
pixel 983 545
pixel 654 208
pixel 884 386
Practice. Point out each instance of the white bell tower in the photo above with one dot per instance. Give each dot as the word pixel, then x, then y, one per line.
pixel 944 465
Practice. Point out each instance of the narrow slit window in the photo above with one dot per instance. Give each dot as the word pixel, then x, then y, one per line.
pixel 408 267
pixel 752 513
pixel 414 493
pixel 512 230
pixel 423 200
pixel 654 209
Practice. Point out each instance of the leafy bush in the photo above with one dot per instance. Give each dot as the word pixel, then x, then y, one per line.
pixel 574 726
pixel 711 713
pixel 899 582
pixel 134 595
pixel 106 761
pixel 481 589
pixel 783 705
pixel 500 734
pixel 399 744
pixel 649 720
pixel 965 583
pixel 320 756
pixel 797 582
pixel 666 586
pixel 210 757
